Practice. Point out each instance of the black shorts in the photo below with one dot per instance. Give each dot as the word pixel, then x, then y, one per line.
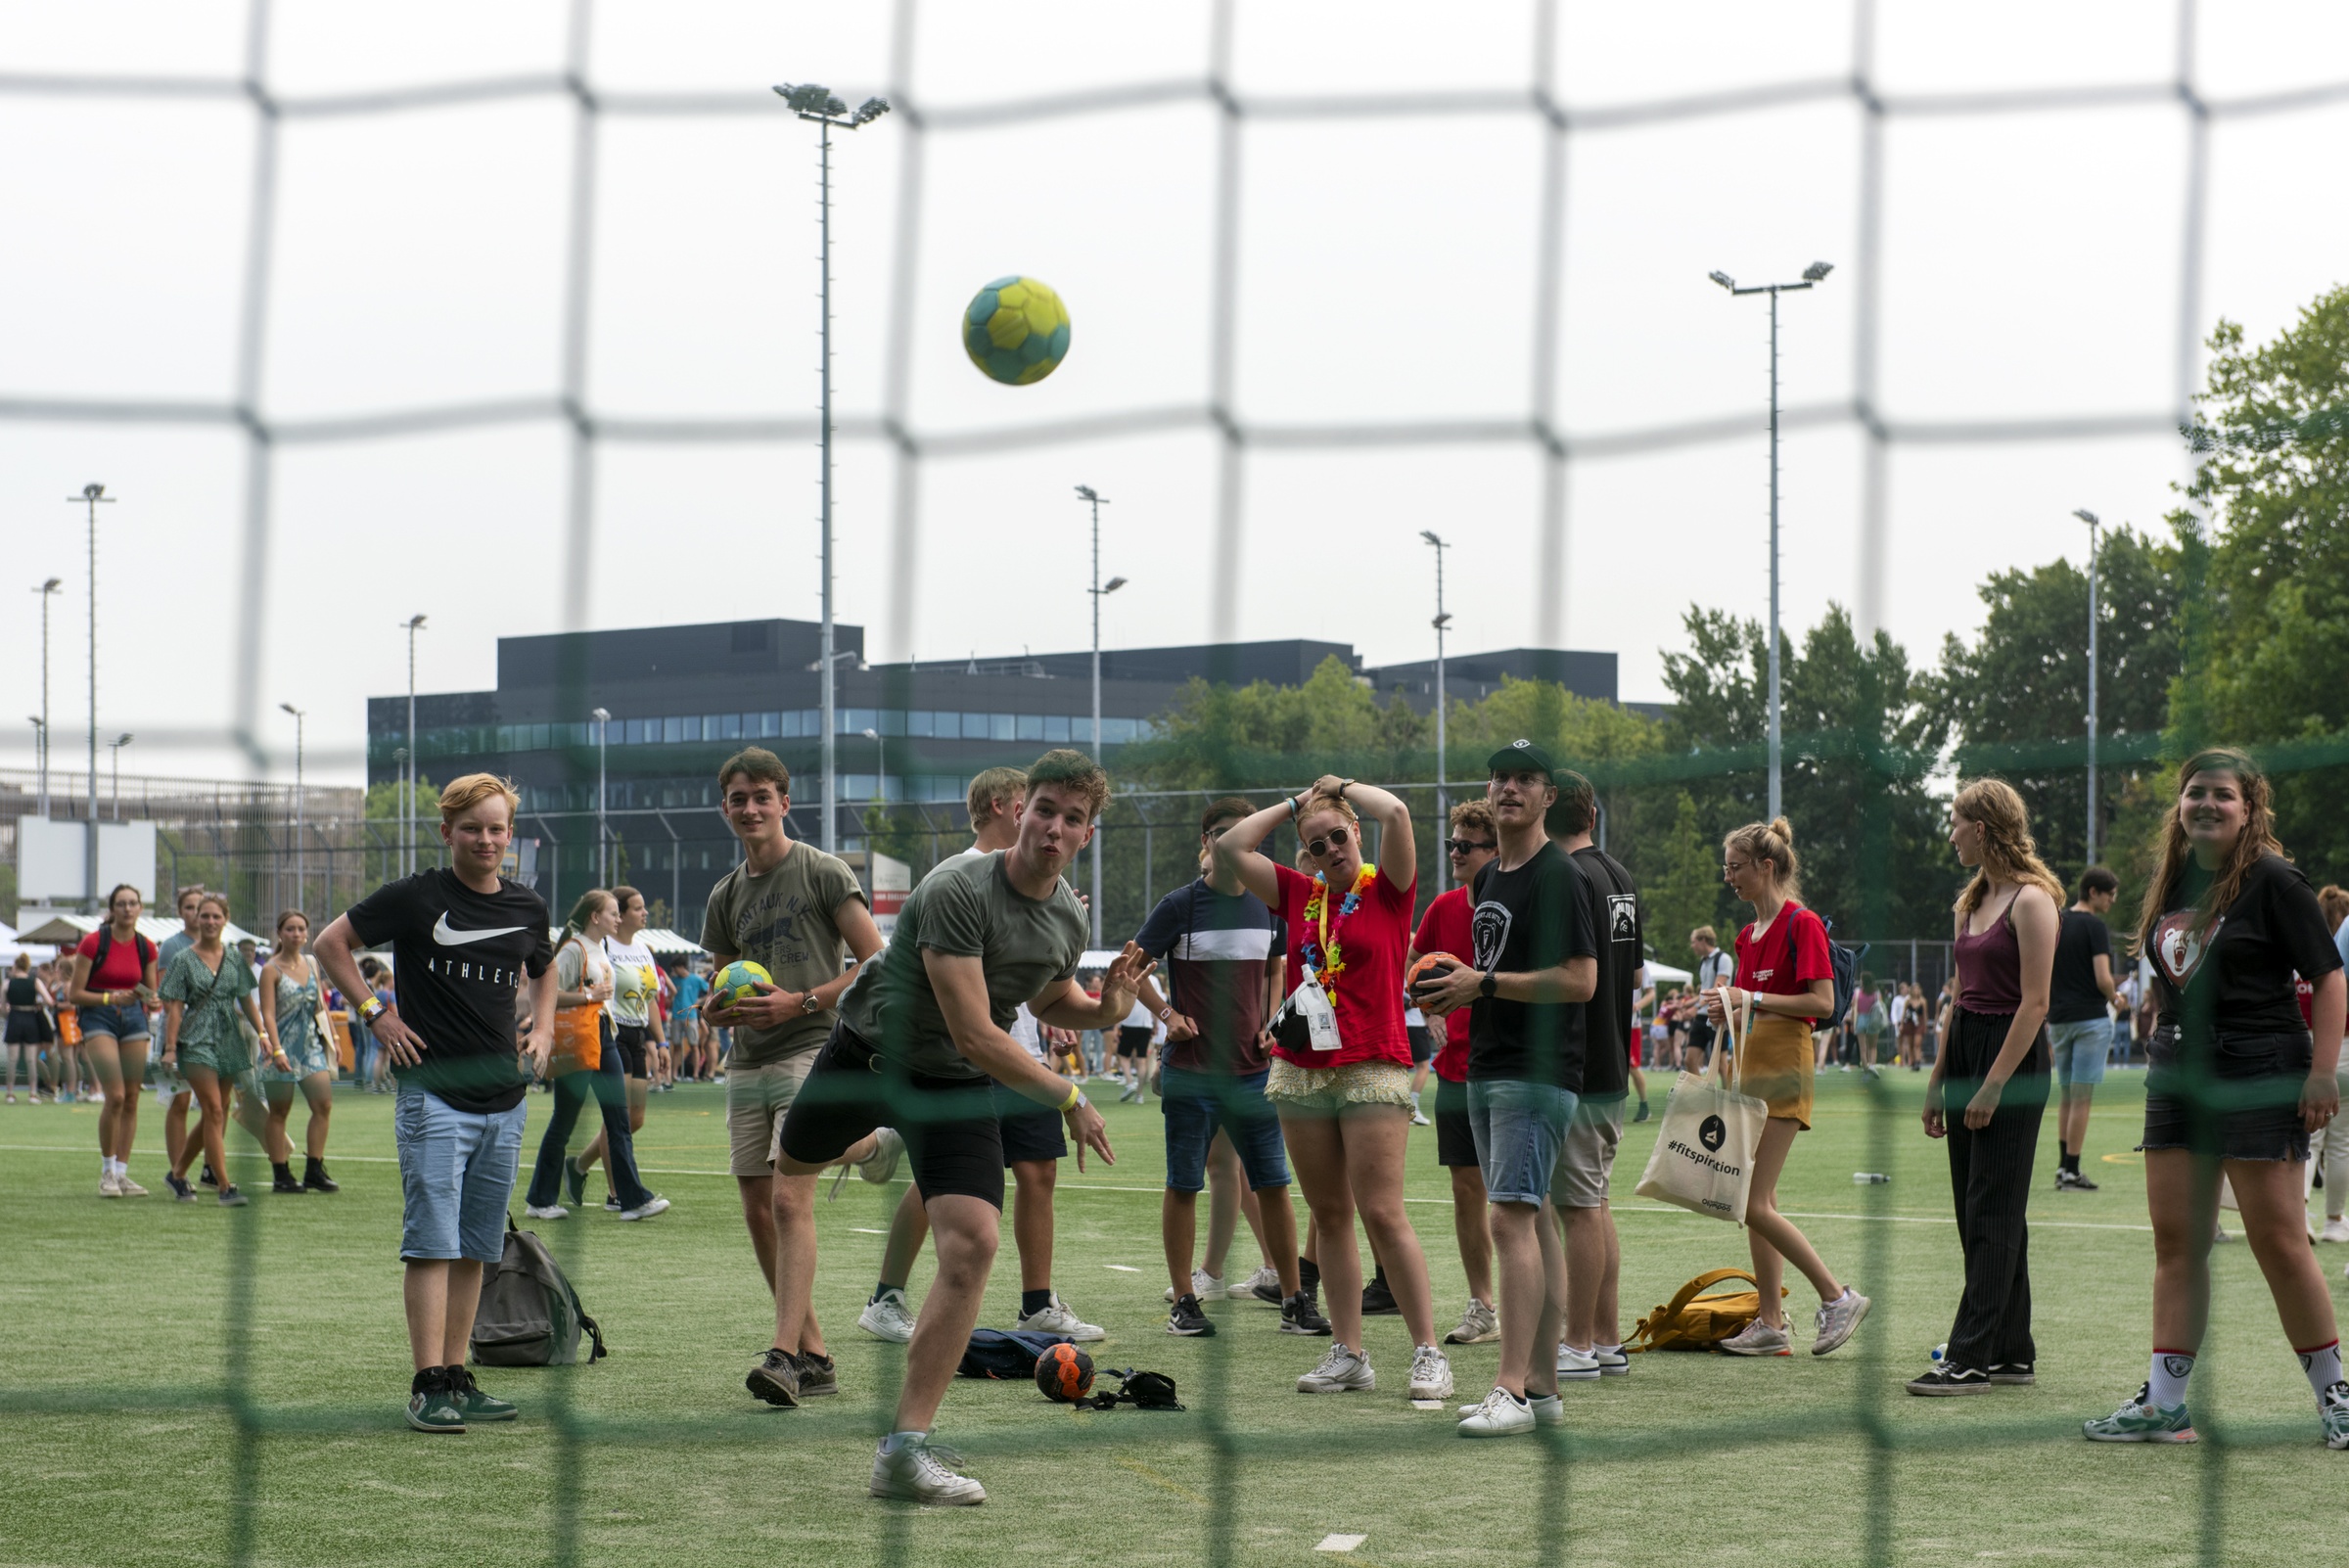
pixel 952 1139
pixel 1423 1044
pixel 631 1041
pixel 1455 1141
pixel 1700 1033
pixel 2234 1097
pixel 28 1025
pixel 1133 1039
pixel 1029 1132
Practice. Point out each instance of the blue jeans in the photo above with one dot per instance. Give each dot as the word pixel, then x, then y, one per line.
pixel 2080 1050
pixel 1520 1128
pixel 605 1084
pixel 456 1175
pixel 1196 1104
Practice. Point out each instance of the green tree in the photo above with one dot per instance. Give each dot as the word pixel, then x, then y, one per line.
pixel 1683 887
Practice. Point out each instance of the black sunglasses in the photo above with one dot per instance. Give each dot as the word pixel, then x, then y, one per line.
pixel 1337 840
pixel 1466 846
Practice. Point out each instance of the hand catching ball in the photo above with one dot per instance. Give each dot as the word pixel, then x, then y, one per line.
pixel 1435 963
pixel 739 981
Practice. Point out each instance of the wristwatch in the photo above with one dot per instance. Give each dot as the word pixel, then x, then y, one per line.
pixel 1484 986
pixel 810 1002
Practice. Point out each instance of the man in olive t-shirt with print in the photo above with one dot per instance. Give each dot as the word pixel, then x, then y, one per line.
pixel 798 913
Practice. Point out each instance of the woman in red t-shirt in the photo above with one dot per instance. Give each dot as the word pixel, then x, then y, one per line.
pixel 1346 1114
pixel 112 980
pixel 1789 983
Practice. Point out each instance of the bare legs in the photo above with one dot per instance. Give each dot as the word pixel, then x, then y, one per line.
pixel 2181 1196
pixel 770 1205
pixel 441 1295
pixel 1533 1291
pixel 319 1092
pixel 1471 1226
pixel 119 1067
pixel 1593 1265
pixel 1353 1163
pixel 1770 1237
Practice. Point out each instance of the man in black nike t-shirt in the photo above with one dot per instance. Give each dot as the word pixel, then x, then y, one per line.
pixel 463 941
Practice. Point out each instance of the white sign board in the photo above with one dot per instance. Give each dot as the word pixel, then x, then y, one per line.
pixel 53 865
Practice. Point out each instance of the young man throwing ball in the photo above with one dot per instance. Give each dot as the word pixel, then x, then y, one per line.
pixel 462 940
pixel 920 1036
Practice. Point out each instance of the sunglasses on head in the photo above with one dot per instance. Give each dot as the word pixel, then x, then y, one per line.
pixel 1466 846
pixel 1337 840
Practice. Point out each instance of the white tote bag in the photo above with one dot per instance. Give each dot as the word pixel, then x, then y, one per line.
pixel 1704 1154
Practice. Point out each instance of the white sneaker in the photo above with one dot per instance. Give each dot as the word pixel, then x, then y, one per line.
pixel 1579 1365
pixel 652 1205
pixel 1837 1319
pixel 1054 1318
pixel 109 1184
pixel 1549 1409
pixel 126 1186
pixel 1263 1285
pixel 546 1211
pixel 1502 1414
pixel 1431 1375
pixel 1757 1338
pixel 1204 1285
pixel 1479 1324
pixel 2336 1229
pixel 1418 1119
pixel 886 1318
pixel 1612 1363
pixel 921 1470
pixel 882 1164
pixel 1344 1369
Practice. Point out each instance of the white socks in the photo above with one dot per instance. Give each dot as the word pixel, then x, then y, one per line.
pixel 108 1165
pixel 2166 1387
pixel 2323 1366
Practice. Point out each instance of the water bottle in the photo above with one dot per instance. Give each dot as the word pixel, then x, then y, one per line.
pixel 1869 1178
pixel 1940 1350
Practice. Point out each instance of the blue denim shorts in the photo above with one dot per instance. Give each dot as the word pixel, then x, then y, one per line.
pixel 124 1023
pixel 1198 1103
pixel 456 1175
pixel 2081 1049
pixel 1520 1128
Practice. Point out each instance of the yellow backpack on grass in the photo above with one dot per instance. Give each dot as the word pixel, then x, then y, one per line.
pixel 1694 1321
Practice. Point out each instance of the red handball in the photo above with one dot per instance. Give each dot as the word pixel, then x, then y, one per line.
pixel 1064 1374
pixel 1435 962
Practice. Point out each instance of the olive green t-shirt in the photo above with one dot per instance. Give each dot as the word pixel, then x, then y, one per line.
pixel 965 909
pixel 783 922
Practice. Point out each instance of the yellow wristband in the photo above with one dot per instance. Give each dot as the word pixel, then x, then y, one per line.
pixel 1070 1104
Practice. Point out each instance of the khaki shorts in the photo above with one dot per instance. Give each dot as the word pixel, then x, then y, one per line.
pixel 755 1099
pixel 1587 1159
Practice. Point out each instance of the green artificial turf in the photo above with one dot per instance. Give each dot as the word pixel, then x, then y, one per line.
pixel 122 1450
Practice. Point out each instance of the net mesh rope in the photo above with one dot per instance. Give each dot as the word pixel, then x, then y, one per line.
pixel 1537 427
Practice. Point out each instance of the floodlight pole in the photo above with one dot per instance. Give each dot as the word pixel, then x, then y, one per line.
pixel 602 837
pixel 2092 521
pixel 1092 498
pixel 880 768
pixel 1811 275
pixel 407 819
pixel 816 104
pixel 47 591
pixel 115 762
pixel 1443 796
pixel 300 715
pixel 91 497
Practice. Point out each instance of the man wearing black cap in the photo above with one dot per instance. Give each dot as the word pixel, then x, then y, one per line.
pixel 1536 963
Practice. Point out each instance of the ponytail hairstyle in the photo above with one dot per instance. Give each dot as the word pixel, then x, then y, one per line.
pixel 584 910
pixel 1772 842
pixel 2171 852
pixel 2008 852
pixel 2333 900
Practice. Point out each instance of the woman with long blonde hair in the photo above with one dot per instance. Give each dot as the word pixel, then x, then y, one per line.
pixel 1988 1088
pixel 1789 984
pixel 2236 1084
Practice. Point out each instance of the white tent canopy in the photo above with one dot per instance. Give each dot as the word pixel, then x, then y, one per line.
pixel 65 929
pixel 1661 974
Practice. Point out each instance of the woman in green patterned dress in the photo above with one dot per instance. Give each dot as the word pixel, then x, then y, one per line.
pixel 206 990
pixel 294 1007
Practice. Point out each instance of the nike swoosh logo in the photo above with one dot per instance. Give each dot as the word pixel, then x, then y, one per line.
pixel 442 935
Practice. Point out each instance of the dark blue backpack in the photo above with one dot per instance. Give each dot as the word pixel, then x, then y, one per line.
pixel 1006 1356
pixel 1843 963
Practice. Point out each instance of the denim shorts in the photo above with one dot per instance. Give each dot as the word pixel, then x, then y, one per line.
pixel 1519 1129
pixel 2081 1049
pixel 2231 1097
pixel 456 1175
pixel 124 1023
pixel 1196 1104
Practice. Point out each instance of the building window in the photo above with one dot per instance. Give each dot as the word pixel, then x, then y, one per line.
pixel 854 721
pixel 811 722
pixel 1003 726
pixel 539 737
pixel 1117 731
pixel 1056 727
pixel 729 725
pixel 892 721
pixel 1031 727
pixel 920 724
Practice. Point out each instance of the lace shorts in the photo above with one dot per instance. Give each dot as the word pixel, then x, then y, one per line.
pixel 1332 1088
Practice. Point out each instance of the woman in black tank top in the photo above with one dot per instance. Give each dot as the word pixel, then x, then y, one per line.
pixel 1989 1086
pixel 28 1027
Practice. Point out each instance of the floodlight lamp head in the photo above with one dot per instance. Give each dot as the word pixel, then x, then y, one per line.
pixel 53 584
pixel 871 735
pixel 1429 535
pixel 2086 516
pixel 1724 280
pixel 600 716
pixel 870 110
pixel 289 708
pixel 1085 493
pixel 1112 585
pixel 808 97
pixel 122 739
pixel 1441 620
pixel 414 622
pixel 1817 270
pixel 91 493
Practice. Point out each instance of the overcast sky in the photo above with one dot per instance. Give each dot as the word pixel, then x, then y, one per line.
pixel 2030 270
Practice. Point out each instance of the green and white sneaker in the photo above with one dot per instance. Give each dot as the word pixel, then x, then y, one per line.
pixel 2333 1411
pixel 469 1398
pixel 2140 1421
pixel 432 1406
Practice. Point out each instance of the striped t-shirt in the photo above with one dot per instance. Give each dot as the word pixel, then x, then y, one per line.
pixel 1217 948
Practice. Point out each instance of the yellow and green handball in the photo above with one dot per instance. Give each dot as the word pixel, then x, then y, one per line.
pixel 1017 331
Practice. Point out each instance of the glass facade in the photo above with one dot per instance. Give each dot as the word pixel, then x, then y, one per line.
pixel 698 729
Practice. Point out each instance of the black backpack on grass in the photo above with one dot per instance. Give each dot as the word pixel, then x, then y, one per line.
pixel 530 1315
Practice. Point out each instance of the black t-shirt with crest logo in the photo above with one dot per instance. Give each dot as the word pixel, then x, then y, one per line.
pixel 2235 975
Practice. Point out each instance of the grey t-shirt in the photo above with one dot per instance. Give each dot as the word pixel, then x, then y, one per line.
pixel 783 921
pixel 965 909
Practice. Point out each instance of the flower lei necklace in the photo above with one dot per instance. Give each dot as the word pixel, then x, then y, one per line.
pixel 1326 960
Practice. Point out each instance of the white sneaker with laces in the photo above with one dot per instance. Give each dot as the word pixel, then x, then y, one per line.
pixel 1757 1338
pixel 1262 1285
pixel 920 1470
pixel 652 1205
pixel 1549 1409
pixel 1837 1319
pixel 1612 1363
pixel 1582 1367
pixel 108 1185
pixel 1479 1324
pixel 126 1186
pixel 1344 1369
pixel 1419 1120
pixel 886 1316
pixel 1204 1285
pixel 544 1211
pixel 1054 1318
pixel 2336 1228
pixel 1431 1375
pixel 1502 1414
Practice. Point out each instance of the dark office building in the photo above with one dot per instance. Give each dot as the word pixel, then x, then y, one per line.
pixel 682 698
